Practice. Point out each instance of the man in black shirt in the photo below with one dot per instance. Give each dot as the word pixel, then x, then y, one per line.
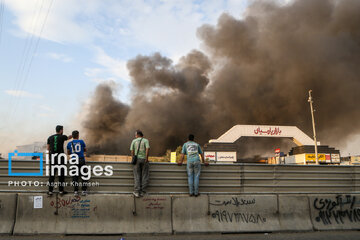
pixel 55 145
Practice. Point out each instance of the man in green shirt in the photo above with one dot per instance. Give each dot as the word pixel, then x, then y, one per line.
pixel 140 147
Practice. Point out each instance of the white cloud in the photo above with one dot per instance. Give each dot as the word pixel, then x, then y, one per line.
pixel 20 93
pixel 167 26
pixel 61 24
pixel 112 68
pixel 60 57
pixel 46 108
pixel 130 27
pixel 43 115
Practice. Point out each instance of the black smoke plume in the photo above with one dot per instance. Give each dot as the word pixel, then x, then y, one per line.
pixel 257 70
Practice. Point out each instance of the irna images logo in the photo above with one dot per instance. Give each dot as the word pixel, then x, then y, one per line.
pixel 16 154
pixel 59 162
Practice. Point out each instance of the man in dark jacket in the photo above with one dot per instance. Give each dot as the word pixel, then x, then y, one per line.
pixel 55 146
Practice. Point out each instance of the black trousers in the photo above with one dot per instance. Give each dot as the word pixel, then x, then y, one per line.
pixel 76 178
pixel 61 175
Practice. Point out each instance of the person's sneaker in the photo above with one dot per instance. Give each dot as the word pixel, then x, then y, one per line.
pixel 196 195
pixel 83 193
pixel 49 193
pixel 76 193
pixel 62 193
pixel 136 194
pixel 142 193
pixel 191 195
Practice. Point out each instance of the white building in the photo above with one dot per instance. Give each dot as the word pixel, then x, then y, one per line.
pixel 36 147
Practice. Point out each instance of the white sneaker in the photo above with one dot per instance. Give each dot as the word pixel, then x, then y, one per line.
pixel 83 193
pixel 76 193
pixel 136 194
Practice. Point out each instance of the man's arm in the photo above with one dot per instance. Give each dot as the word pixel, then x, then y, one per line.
pixel 147 149
pixel 147 154
pixel 183 152
pixel 132 149
pixel 68 147
pixel 48 151
pixel 84 146
pixel 181 159
pixel 202 157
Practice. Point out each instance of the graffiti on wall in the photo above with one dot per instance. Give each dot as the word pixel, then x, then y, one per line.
pixel 80 207
pixel 234 201
pixel 154 202
pixel 230 211
pixel 336 211
pixel 243 217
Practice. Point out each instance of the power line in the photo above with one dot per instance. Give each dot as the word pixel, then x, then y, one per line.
pixel 23 61
pixel 24 67
pixel 25 71
pixel 2 7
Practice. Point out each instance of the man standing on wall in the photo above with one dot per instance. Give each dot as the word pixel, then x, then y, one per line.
pixel 55 146
pixel 78 147
pixel 140 147
pixel 192 150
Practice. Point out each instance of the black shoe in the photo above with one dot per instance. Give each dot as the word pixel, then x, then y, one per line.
pixel 62 193
pixel 142 193
pixel 50 193
pixel 196 195
pixel 191 195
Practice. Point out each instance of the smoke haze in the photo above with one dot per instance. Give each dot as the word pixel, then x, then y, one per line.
pixel 255 70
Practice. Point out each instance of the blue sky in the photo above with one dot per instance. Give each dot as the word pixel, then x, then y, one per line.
pixel 53 53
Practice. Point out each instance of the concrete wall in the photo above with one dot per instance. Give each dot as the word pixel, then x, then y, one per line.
pixel 7 212
pixel 294 213
pixel 122 214
pixel 225 213
pixel 94 214
pixel 333 212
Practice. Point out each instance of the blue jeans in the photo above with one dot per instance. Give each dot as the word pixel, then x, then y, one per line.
pixel 193 171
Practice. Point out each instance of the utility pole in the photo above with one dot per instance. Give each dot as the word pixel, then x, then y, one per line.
pixel 313 124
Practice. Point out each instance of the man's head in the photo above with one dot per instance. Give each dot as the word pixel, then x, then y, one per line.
pixel 59 129
pixel 191 137
pixel 138 133
pixel 75 134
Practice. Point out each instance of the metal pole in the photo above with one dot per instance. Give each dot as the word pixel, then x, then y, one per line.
pixel 313 124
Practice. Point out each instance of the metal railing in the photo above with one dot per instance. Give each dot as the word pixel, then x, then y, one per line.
pixel 217 178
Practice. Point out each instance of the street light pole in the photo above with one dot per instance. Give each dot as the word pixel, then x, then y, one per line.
pixel 313 124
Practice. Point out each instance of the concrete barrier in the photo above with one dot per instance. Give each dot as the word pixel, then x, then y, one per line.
pixel 7 212
pixel 294 213
pixel 121 214
pixel 335 212
pixel 226 213
pixel 93 214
